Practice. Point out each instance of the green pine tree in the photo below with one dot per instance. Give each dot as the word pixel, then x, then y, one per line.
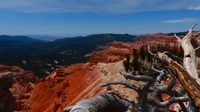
pixel 149 57
pixel 126 63
pixel 135 62
pixel 142 53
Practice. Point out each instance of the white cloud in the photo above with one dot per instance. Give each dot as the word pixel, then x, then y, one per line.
pixel 197 7
pixel 110 6
pixel 183 20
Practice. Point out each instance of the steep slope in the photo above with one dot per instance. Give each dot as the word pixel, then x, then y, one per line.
pixel 54 93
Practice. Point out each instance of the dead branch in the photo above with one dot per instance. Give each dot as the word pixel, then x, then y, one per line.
pixel 189 34
pixel 160 76
pixel 136 77
pixel 168 88
pixel 173 56
pixel 167 102
pixel 149 51
pixel 127 85
pixel 197 48
pixel 178 38
pixel 67 109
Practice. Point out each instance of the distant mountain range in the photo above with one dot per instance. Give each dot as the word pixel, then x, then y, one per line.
pixel 43 56
pixel 6 39
pixel 46 37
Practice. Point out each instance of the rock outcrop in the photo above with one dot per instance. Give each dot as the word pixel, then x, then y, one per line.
pixel 16 85
pixel 7 100
pixel 64 87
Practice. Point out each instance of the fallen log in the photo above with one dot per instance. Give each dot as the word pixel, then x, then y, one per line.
pixel 109 102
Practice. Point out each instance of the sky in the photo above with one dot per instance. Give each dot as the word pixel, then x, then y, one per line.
pixel 83 17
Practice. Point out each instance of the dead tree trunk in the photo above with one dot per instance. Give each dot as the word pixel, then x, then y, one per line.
pixel 189 60
pixel 110 102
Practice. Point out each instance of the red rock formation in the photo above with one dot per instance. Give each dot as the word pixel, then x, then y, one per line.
pixel 18 89
pixel 7 101
pixel 57 92
pixel 118 50
pixel 67 85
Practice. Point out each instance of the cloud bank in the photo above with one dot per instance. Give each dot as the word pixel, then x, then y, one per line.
pixel 108 6
pixel 182 20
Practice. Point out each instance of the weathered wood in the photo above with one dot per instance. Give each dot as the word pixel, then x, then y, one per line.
pixel 109 102
pixel 188 82
pixel 189 60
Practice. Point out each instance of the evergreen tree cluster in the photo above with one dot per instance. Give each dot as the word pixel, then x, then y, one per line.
pixel 140 59
pixel 134 62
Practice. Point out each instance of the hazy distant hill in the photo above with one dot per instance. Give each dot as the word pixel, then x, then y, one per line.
pixel 88 43
pixel 6 39
pixel 178 33
pixel 43 56
pixel 45 37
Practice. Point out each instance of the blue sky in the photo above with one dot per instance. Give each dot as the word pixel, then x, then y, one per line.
pixel 82 17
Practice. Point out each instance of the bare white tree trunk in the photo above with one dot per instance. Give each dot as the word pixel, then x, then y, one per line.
pixel 109 102
pixel 189 60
